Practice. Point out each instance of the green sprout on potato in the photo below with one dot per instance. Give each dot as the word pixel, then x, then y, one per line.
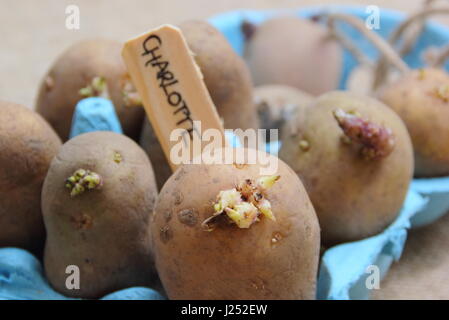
pixel 442 92
pixel 244 204
pixel 96 88
pixel 130 95
pixel 118 157
pixel 83 180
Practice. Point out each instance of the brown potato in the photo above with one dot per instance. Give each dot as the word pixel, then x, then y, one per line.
pixel 226 76
pixel 355 158
pixel 199 257
pixel 98 219
pixel 75 69
pixel 27 144
pixel 294 51
pixel 421 99
pixel 278 103
pixel 150 144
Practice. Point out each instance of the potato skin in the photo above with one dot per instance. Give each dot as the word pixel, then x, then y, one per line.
pixel 296 52
pixel 73 70
pixel 228 262
pixel 277 103
pixel 226 75
pixel 104 232
pixel 27 144
pixel 150 144
pixel 413 97
pixel 354 197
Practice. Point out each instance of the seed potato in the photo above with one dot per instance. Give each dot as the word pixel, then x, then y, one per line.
pixel 421 99
pixel 201 253
pixel 27 144
pixel 96 68
pixel 294 51
pixel 97 201
pixel 355 158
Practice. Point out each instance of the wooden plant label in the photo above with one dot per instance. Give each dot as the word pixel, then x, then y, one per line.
pixel 171 86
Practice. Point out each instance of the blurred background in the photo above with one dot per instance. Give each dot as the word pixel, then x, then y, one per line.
pixel 33 33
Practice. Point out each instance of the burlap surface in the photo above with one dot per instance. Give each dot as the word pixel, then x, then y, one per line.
pixel 33 33
pixel 422 272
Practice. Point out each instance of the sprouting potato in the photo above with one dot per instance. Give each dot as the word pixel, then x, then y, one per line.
pixel 355 158
pixel 225 231
pixel 97 201
pixel 89 68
